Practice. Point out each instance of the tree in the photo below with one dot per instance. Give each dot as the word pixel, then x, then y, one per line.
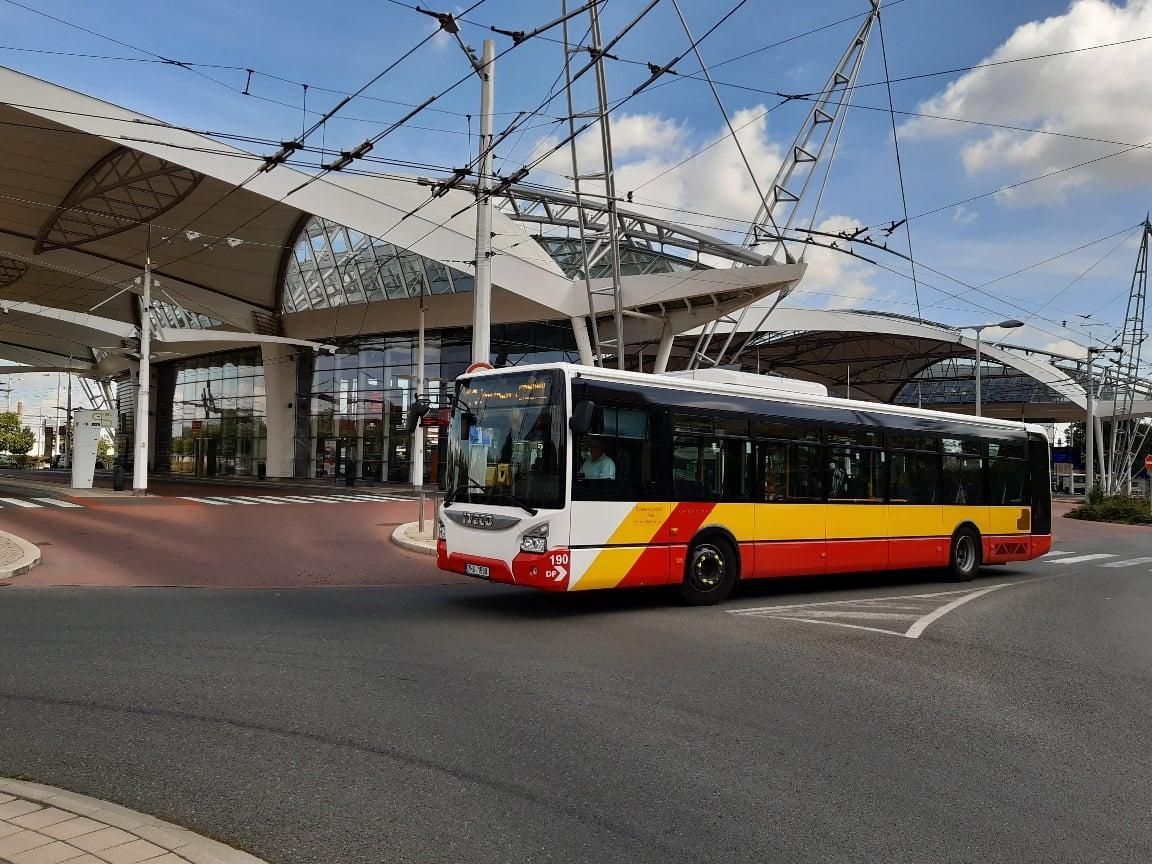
pixel 103 449
pixel 9 427
pixel 21 441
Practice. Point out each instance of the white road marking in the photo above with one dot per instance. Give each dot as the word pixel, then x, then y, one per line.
pixel 1131 563
pixel 222 500
pixel 920 626
pixel 759 609
pixel 893 608
pixel 18 502
pixel 1080 559
pixel 1053 553
pixel 56 502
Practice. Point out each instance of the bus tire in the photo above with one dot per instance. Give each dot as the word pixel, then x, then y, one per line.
pixel 711 571
pixel 964 557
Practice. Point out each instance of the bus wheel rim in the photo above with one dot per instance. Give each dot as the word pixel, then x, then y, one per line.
pixel 708 568
pixel 965 553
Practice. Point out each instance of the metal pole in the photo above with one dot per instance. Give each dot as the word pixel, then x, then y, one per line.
pixel 1089 431
pixel 140 460
pixel 482 296
pixel 609 186
pixel 587 359
pixel 979 347
pixel 664 349
pixel 418 433
pixel 68 424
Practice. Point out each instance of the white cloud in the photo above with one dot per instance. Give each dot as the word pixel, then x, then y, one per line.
pixel 1099 94
pixel 837 280
pixel 963 216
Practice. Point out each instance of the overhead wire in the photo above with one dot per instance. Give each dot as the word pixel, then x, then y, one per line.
pixel 899 162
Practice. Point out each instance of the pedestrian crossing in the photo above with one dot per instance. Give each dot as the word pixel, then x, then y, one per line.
pixel 241 500
pixel 1098 558
pixel 31 503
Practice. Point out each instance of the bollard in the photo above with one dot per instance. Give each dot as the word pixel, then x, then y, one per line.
pixel 117 478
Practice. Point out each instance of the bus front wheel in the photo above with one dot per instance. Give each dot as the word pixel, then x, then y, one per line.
pixel 964 560
pixel 710 572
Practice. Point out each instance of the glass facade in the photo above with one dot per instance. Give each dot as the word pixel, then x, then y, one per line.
pixel 331 265
pixel 211 415
pixel 351 407
pixel 634 260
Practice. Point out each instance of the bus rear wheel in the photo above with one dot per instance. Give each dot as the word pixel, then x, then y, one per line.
pixel 964 559
pixel 710 572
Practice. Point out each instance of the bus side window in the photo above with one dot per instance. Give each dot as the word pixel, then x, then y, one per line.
pixel 791 472
pixel 963 480
pixel 613 461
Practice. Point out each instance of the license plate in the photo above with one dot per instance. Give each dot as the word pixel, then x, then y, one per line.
pixel 480 570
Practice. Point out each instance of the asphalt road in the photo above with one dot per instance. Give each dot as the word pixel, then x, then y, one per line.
pixel 477 723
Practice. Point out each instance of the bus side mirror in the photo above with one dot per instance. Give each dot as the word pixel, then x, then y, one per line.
pixel 581 420
pixel 467 421
pixel 415 413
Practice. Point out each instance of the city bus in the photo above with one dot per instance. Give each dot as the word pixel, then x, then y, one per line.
pixel 570 478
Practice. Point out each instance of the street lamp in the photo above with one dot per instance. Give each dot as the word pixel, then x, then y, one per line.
pixel 1090 425
pixel 1003 325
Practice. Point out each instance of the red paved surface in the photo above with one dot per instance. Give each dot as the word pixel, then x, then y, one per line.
pixel 195 545
pixel 164 486
pixel 176 543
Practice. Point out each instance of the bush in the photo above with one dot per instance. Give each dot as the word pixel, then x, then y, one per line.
pixel 1113 508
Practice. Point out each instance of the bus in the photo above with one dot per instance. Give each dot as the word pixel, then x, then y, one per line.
pixel 570 478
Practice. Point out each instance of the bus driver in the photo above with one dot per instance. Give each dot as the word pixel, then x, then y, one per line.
pixel 598 465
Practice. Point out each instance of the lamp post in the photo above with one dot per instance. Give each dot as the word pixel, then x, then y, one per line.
pixel 1004 325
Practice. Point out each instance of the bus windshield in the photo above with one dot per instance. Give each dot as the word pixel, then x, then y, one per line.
pixel 506 440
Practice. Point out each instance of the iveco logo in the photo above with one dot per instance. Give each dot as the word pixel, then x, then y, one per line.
pixel 486 521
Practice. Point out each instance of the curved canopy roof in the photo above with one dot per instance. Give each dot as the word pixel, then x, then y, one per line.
pixel 877 354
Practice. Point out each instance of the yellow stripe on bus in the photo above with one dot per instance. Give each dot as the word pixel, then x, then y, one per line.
pixel 641 523
pixel 608 568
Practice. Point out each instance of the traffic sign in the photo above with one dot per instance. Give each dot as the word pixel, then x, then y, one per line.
pixel 1148 462
pixel 480 366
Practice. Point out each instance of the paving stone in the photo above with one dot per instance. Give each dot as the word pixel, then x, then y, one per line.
pixel 74 827
pixel 131 853
pixel 105 838
pixel 51 853
pixel 22 841
pixel 41 818
pixel 7 829
pixel 17 808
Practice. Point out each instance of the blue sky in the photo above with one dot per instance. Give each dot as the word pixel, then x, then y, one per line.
pixel 1089 94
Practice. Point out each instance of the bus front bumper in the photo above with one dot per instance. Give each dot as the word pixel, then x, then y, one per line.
pixel 547 571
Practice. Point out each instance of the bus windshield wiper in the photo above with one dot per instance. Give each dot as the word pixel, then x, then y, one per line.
pixel 450 498
pixel 488 490
pixel 519 502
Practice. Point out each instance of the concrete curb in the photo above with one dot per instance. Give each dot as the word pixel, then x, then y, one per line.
pixel 30 558
pixel 181 844
pixel 401 537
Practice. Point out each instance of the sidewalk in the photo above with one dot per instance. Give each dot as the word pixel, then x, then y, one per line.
pixel 17 555
pixel 43 825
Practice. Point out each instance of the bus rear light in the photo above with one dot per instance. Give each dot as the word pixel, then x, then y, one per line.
pixel 535 540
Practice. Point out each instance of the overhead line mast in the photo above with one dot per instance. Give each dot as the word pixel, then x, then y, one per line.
pixel 778 213
pixel 1129 431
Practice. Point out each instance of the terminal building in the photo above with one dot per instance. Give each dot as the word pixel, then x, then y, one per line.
pixel 285 306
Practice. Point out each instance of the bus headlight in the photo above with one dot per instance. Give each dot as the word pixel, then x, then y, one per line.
pixel 535 540
pixel 440 529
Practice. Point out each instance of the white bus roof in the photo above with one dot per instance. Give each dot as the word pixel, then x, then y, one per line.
pixel 765 391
